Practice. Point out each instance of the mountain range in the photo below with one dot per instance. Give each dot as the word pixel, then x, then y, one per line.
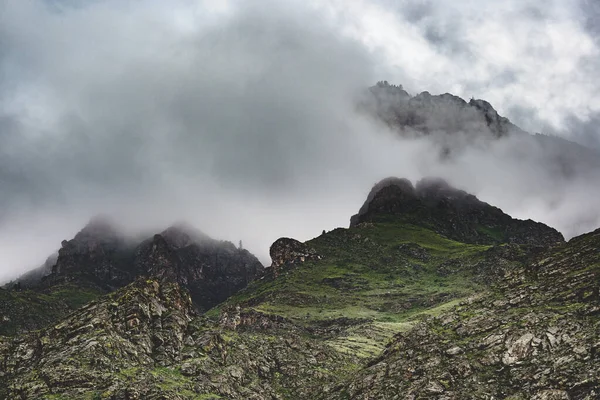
pixel 430 293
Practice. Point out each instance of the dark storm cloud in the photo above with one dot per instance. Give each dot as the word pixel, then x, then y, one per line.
pixel 590 13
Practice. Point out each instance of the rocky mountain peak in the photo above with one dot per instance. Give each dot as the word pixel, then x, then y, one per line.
pixel 100 229
pixel 100 257
pixel 451 212
pixel 211 270
pixel 427 114
pixel 98 253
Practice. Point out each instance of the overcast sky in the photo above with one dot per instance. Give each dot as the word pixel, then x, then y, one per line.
pixel 238 115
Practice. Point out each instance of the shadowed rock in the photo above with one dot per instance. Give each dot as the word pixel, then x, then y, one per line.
pixel 211 270
pixel 456 214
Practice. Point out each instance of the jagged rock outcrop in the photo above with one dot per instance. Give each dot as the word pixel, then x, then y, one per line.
pixel 144 341
pixel 143 325
pixel 287 252
pixel 99 254
pixel 451 212
pixel 211 270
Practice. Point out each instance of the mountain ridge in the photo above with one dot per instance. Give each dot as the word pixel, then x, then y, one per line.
pixel 452 212
pixel 387 308
pixel 100 259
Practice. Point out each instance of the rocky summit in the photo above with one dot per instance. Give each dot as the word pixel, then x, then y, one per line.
pixel 101 259
pixel 450 212
pixel 429 294
pixel 427 114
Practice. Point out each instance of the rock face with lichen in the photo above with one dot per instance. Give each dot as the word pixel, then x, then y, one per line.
pixel 145 341
pixel 430 294
pixel 533 335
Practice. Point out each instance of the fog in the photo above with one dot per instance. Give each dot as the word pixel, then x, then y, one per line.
pixel 238 117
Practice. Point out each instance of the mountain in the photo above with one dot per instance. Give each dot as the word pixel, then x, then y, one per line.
pixel 426 114
pixel 454 125
pixel 210 270
pixel 430 293
pixel 450 212
pixel 101 259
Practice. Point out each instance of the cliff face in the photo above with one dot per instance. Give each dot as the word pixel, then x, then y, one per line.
pixel 211 270
pixel 99 254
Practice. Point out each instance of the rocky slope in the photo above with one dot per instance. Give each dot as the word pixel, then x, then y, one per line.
pixel 413 301
pixel 534 335
pixel 209 269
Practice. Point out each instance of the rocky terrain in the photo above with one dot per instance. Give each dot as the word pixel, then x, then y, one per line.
pixel 535 334
pixel 455 125
pixel 430 294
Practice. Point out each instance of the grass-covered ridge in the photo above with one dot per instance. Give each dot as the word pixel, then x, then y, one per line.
pixel 377 271
pixel 383 277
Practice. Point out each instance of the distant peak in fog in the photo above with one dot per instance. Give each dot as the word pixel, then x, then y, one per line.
pixel 425 113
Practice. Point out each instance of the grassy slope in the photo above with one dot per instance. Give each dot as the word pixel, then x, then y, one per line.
pixel 29 309
pixel 382 276
pixel 552 297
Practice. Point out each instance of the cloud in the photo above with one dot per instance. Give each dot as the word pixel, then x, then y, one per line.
pixel 538 55
pixel 239 116
pixel 245 127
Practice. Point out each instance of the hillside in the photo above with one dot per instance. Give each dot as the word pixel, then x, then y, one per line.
pixel 396 306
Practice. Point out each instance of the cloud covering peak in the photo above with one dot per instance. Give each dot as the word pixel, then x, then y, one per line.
pixel 240 117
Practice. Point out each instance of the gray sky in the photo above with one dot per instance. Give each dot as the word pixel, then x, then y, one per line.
pixel 238 115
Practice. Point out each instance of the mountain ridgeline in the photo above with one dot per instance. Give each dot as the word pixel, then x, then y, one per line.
pixel 100 259
pixel 431 114
pixel 429 294
pixel 450 212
